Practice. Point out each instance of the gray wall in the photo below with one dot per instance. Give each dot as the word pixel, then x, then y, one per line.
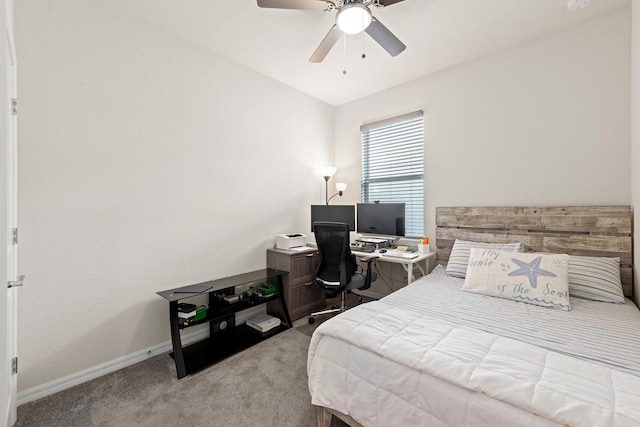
pixel 145 163
pixel 635 136
pixel 543 123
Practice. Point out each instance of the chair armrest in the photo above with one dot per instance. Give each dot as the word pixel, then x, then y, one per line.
pixel 369 276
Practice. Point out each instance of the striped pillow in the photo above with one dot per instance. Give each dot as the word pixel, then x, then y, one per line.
pixel 595 278
pixel 459 258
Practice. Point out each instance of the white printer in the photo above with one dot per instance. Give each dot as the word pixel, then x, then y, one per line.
pixel 292 240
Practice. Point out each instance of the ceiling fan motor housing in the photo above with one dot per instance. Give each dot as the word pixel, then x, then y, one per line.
pixel 353 18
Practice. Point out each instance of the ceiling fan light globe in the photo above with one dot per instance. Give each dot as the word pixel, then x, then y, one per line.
pixel 353 18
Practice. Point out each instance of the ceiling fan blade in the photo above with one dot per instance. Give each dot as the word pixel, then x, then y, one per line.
pixel 326 44
pixel 320 5
pixel 385 38
pixel 385 3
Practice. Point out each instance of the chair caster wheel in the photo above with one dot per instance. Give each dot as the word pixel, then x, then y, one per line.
pixel 311 320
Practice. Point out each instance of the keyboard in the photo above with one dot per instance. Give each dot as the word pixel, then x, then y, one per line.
pixel 401 254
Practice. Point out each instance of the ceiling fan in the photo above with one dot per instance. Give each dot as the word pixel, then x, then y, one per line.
pixel 353 17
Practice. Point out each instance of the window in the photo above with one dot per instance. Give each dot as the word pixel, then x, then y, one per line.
pixel 393 166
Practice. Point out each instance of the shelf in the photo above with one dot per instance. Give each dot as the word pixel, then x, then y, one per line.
pixel 223 309
pixel 177 294
pixel 221 345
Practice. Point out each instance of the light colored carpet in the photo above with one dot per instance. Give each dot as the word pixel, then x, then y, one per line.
pixel 265 385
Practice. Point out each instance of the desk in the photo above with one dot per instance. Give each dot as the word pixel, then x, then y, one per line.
pixel 224 338
pixel 407 264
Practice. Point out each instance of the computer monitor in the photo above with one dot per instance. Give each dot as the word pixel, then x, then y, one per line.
pixel 334 213
pixel 381 219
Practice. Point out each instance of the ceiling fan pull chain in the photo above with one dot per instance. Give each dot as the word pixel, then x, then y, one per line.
pixel 363 54
pixel 344 54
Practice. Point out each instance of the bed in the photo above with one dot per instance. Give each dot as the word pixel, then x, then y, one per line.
pixel 438 353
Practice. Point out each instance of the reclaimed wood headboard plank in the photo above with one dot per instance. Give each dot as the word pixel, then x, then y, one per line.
pixel 574 230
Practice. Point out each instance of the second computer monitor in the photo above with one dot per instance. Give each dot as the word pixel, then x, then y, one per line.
pixel 381 218
pixel 334 213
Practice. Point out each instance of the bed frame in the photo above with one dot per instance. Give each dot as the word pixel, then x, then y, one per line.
pixel 574 230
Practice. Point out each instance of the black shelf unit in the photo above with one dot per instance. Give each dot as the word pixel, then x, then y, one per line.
pixel 222 342
pixel 217 310
pixel 202 354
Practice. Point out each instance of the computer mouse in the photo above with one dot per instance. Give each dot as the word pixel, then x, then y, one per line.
pixel 382 251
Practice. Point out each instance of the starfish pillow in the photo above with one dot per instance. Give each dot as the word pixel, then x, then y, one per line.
pixel 533 278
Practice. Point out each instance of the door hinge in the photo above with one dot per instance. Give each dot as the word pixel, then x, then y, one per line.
pixel 14 366
pixel 16 283
pixel 14 236
pixel 14 106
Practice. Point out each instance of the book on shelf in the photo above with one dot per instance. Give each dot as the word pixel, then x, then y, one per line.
pixel 185 322
pixel 263 322
pixel 186 310
pixel 265 290
pixel 186 319
pixel 185 307
pixel 201 313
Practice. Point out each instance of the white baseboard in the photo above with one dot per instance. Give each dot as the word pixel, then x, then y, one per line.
pixel 46 389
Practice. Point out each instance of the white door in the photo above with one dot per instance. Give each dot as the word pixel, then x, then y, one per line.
pixel 8 213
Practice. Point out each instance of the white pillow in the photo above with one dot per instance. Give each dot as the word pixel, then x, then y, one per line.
pixel 533 278
pixel 595 278
pixel 459 258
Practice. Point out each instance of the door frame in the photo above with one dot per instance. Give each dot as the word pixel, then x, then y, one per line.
pixel 8 214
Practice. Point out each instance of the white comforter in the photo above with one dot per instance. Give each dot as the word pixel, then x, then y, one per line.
pixel 387 366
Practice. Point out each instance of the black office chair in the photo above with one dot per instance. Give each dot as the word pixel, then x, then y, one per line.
pixel 338 269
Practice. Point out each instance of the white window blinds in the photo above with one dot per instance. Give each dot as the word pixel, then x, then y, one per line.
pixel 392 166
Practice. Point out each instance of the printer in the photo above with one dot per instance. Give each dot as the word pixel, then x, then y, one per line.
pixel 292 240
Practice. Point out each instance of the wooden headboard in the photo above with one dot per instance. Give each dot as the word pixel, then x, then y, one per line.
pixel 573 230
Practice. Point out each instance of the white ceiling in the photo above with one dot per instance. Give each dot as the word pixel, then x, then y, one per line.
pixel 438 34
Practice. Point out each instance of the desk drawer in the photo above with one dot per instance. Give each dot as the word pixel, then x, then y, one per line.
pixel 304 265
pixel 305 296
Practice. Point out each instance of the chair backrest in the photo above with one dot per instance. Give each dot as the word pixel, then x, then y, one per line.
pixel 337 265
